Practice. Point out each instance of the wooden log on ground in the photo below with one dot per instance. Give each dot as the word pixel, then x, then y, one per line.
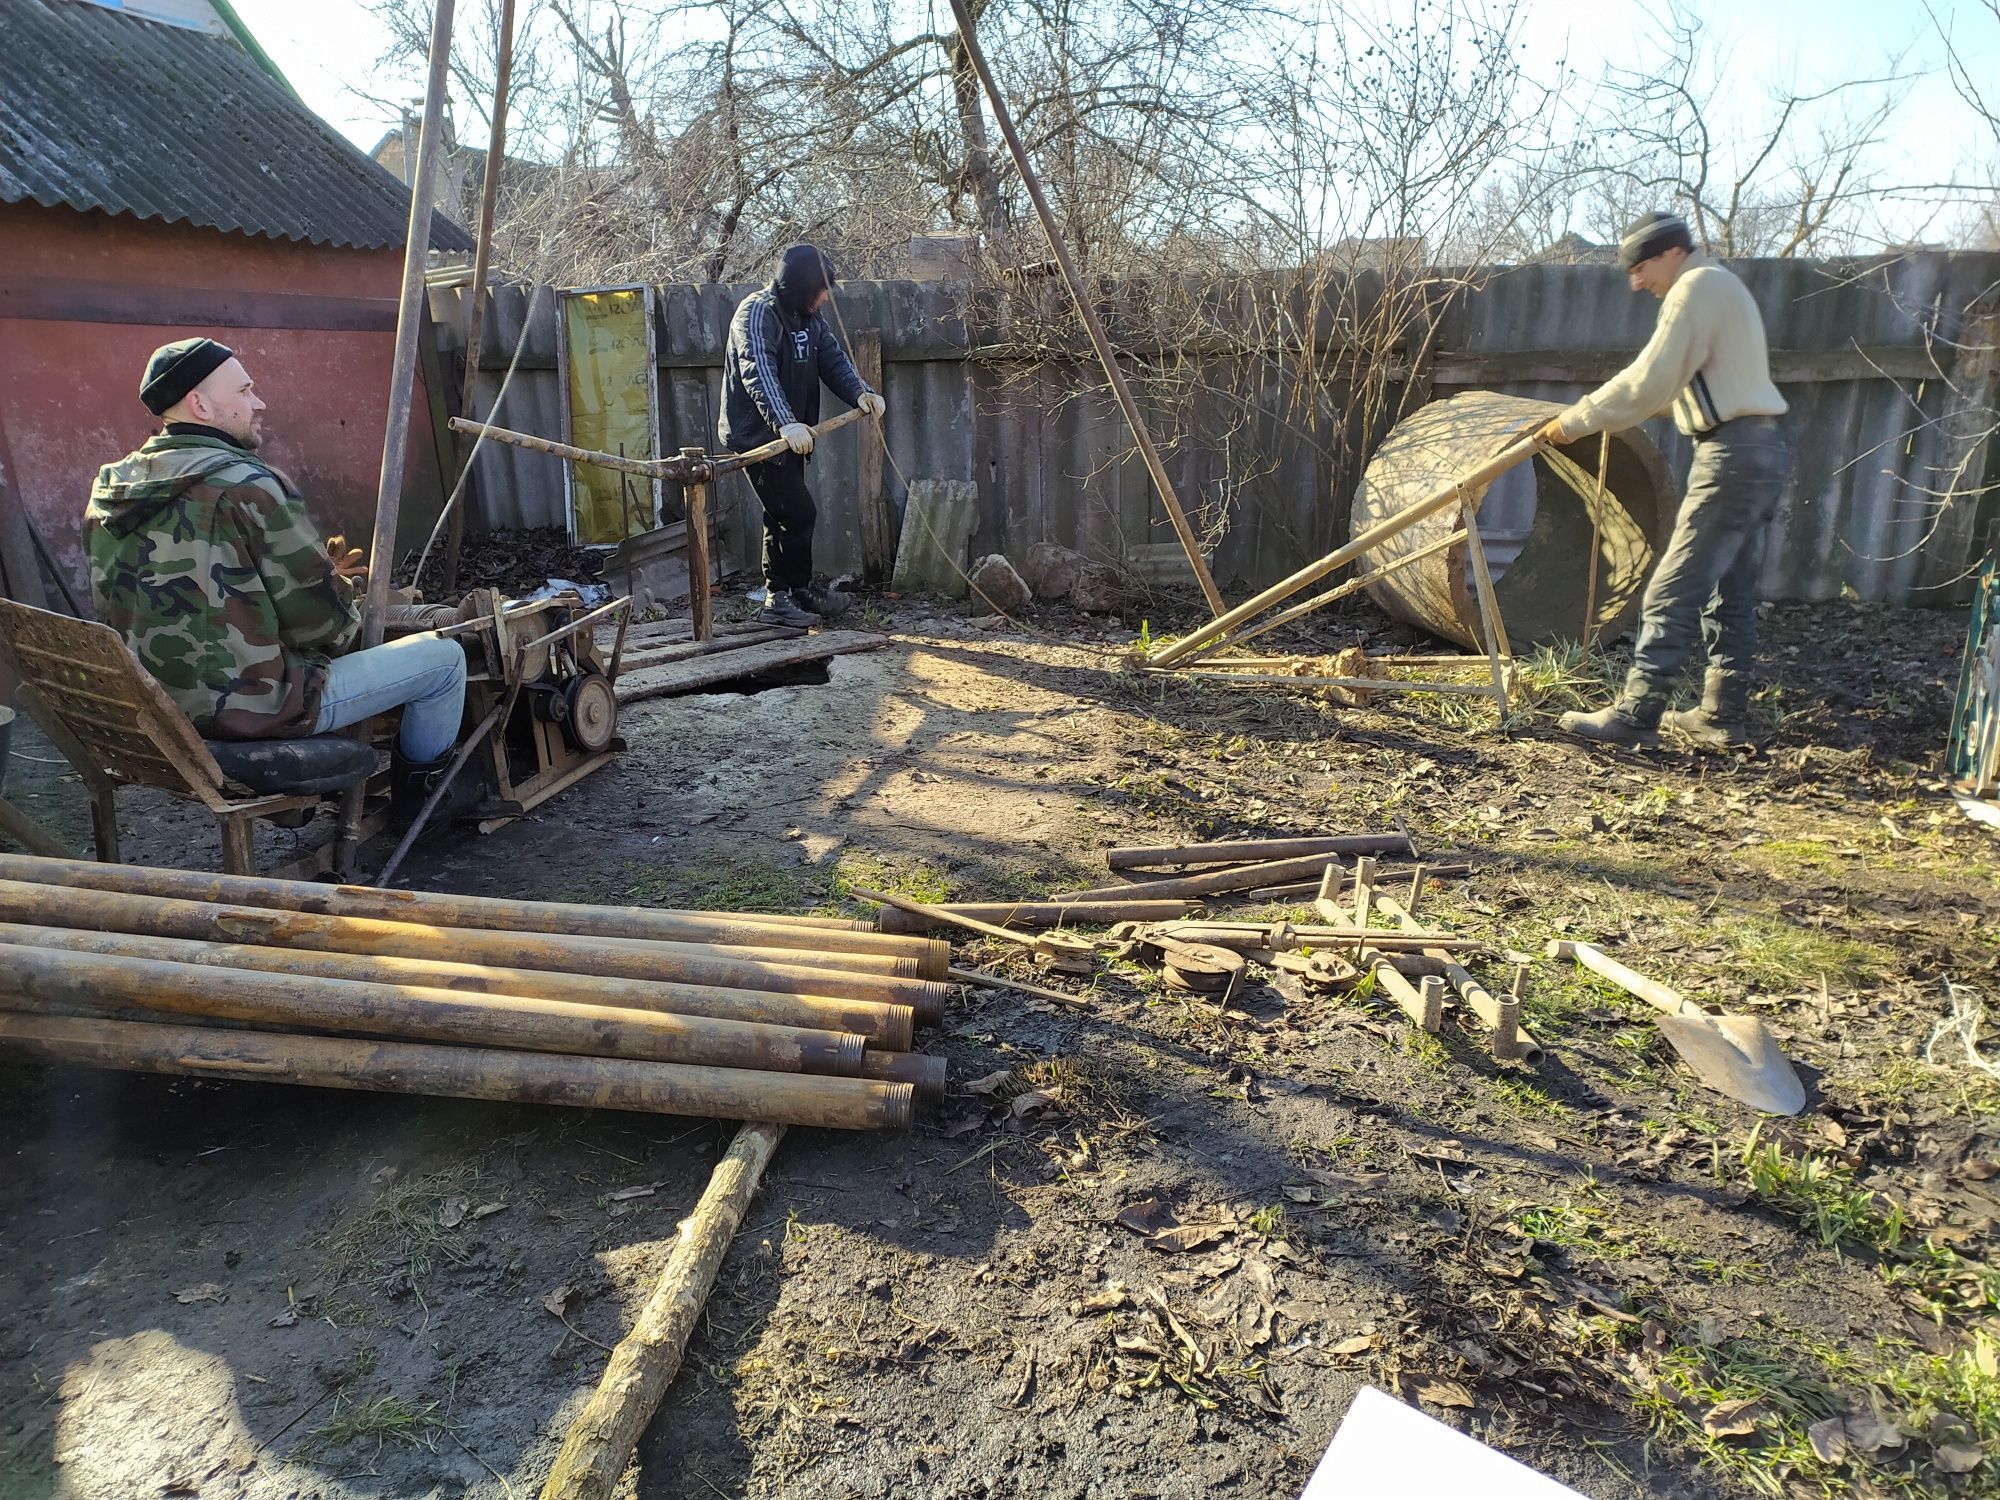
pixel 33 977
pixel 498 914
pixel 890 1026
pixel 627 958
pixel 600 1441
pixel 1256 851
pixel 1037 913
pixel 460 1072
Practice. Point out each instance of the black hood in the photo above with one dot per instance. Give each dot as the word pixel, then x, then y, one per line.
pixel 804 271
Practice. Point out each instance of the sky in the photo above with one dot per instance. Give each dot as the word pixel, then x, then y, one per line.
pixel 331 51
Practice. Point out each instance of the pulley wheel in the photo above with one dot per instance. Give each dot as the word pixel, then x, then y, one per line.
pixel 593 711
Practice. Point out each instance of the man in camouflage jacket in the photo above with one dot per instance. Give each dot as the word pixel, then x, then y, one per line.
pixel 203 557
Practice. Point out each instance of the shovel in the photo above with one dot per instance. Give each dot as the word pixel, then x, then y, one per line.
pixel 1734 1055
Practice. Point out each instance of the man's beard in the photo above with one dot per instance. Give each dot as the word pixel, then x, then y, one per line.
pixel 251 436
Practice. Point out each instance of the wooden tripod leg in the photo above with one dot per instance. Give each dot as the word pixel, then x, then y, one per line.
pixel 1499 654
pixel 104 823
pixel 239 843
pixel 697 554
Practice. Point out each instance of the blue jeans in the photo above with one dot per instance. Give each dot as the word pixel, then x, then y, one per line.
pixel 424 674
pixel 1705 587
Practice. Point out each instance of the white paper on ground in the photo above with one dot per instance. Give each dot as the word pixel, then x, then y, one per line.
pixel 1392 1451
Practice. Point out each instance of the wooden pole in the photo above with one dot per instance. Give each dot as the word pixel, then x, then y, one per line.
pixel 461 1072
pixel 644 468
pixel 473 329
pixel 696 495
pixel 968 35
pixel 410 322
pixel 891 1026
pixel 29 834
pixel 1340 591
pixel 1441 499
pixel 1248 851
pixel 409 327
pixel 627 958
pixel 601 1440
pixel 39 976
pixel 494 913
pixel 1499 654
pixel 878 516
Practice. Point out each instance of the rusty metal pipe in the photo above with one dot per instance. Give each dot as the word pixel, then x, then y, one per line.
pixel 462 1072
pixel 500 914
pixel 922 1072
pixel 1256 851
pixel 621 958
pixel 891 1026
pixel 34 977
pixel 1038 913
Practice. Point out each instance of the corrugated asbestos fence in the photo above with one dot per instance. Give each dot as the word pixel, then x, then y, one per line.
pixel 1890 368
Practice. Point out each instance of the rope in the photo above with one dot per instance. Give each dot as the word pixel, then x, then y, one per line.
pixel 485 426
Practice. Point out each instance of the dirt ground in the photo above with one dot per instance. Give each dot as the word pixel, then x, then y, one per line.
pixel 223 1290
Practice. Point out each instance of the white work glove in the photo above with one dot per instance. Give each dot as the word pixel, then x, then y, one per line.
pixel 798 437
pixel 872 404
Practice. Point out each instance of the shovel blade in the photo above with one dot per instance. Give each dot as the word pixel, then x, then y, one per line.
pixel 1737 1056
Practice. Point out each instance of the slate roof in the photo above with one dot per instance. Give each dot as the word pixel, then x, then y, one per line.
pixel 103 110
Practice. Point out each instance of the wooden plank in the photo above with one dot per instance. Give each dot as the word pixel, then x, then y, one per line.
pixel 748 661
pixel 877 515
pixel 660 656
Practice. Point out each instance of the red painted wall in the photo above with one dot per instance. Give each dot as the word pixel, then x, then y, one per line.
pixel 69 386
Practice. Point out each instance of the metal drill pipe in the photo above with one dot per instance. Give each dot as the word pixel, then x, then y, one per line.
pixel 1254 851
pixel 494 913
pixel 1037 913
pixel 462 1072
pixel 626 958
pixel 924 1073
pixel 890 1026
pixel 33 977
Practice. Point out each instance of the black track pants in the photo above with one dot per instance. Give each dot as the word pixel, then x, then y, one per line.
pixel 789 514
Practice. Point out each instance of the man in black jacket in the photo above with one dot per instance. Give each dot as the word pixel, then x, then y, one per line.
pixel 780 349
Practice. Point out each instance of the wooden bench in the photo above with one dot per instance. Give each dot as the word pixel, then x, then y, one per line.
pixel 117 727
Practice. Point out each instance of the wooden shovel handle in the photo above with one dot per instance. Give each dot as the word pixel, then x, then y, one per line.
pixel 1651 991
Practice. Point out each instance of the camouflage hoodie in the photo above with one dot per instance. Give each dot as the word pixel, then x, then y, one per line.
pixel 202 557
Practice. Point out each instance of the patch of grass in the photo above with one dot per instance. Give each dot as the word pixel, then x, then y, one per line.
pixel 1567 675
pixel 904 877
pixel 1797 1379
pixel 1821 1196
pixel 716 884
pixel 1526 1098
pixel 1688 1380
pixel 1424 1049
pixel 380 1419
pixel 1268 1222
pixel 1773 954
pixel 402 1231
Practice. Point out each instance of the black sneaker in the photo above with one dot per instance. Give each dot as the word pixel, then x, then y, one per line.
pixel 782 608
pixel 823 601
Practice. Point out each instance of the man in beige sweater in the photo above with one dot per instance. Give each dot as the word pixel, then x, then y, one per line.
pixel 1707 363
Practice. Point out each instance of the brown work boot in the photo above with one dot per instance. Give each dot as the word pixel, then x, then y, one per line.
pixel 1722 720
pixel 1633 721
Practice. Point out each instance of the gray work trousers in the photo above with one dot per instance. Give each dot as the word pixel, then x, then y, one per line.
pixel 1706 582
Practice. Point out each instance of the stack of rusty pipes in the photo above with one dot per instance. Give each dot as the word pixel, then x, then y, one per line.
pixel 728 1015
